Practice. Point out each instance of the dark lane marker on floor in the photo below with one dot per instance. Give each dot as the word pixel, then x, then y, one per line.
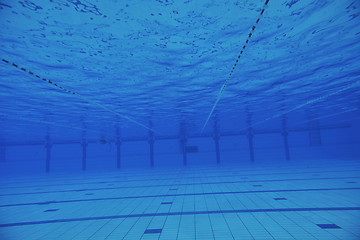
pixel 182 213
pixel 153 231
pixel 179 194
pixel 51 210
pixel 170 179
pixel 173 185
pixel 328 226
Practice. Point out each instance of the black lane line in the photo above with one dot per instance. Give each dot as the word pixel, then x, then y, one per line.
pixel 177 194
pixel 180 184
pixel 182 213
pixel 168 179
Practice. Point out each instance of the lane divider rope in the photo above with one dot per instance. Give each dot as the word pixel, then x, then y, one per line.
pixel 326 116
pixel 77 94
pixel 235 64
pixel 311 101
pixel 47 122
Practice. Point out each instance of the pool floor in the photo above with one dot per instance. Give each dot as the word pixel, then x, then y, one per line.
pixel 290 201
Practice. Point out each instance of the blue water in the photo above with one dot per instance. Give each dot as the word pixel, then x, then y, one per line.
pixel 106 87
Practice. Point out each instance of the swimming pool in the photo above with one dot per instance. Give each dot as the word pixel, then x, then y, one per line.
pixel 179 119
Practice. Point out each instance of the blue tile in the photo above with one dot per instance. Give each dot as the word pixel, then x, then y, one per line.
pixel 281 198
pixel 328 226
pixel 51 210
pixel 184 213
pixel 162 185
pixel 89 194
pixel 166 203
pixel 257 185
pixel 350 182
pixel 152 231
pixel 173 189
pixel 180 194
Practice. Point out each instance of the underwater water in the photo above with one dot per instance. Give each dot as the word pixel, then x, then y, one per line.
pixel 191 119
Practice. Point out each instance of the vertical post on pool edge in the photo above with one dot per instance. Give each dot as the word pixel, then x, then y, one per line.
pixel 183 141
pixel 84 146
pixel 48 146
pixel 216 140
pixel 118 154
pixel 118 149
pixel 250 136
pixel 151 141
pixel 285 134
pixel 2 153
pixel 183 149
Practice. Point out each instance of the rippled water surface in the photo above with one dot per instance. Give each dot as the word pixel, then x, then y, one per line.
pixel 135 62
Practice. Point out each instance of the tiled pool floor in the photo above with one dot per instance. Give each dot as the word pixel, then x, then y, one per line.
pixel 249 202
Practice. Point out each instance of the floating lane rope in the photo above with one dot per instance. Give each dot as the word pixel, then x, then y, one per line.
pixel 326 116
pixel 47 122
pixel 311 101
pixel 235 64
pixel 77 94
